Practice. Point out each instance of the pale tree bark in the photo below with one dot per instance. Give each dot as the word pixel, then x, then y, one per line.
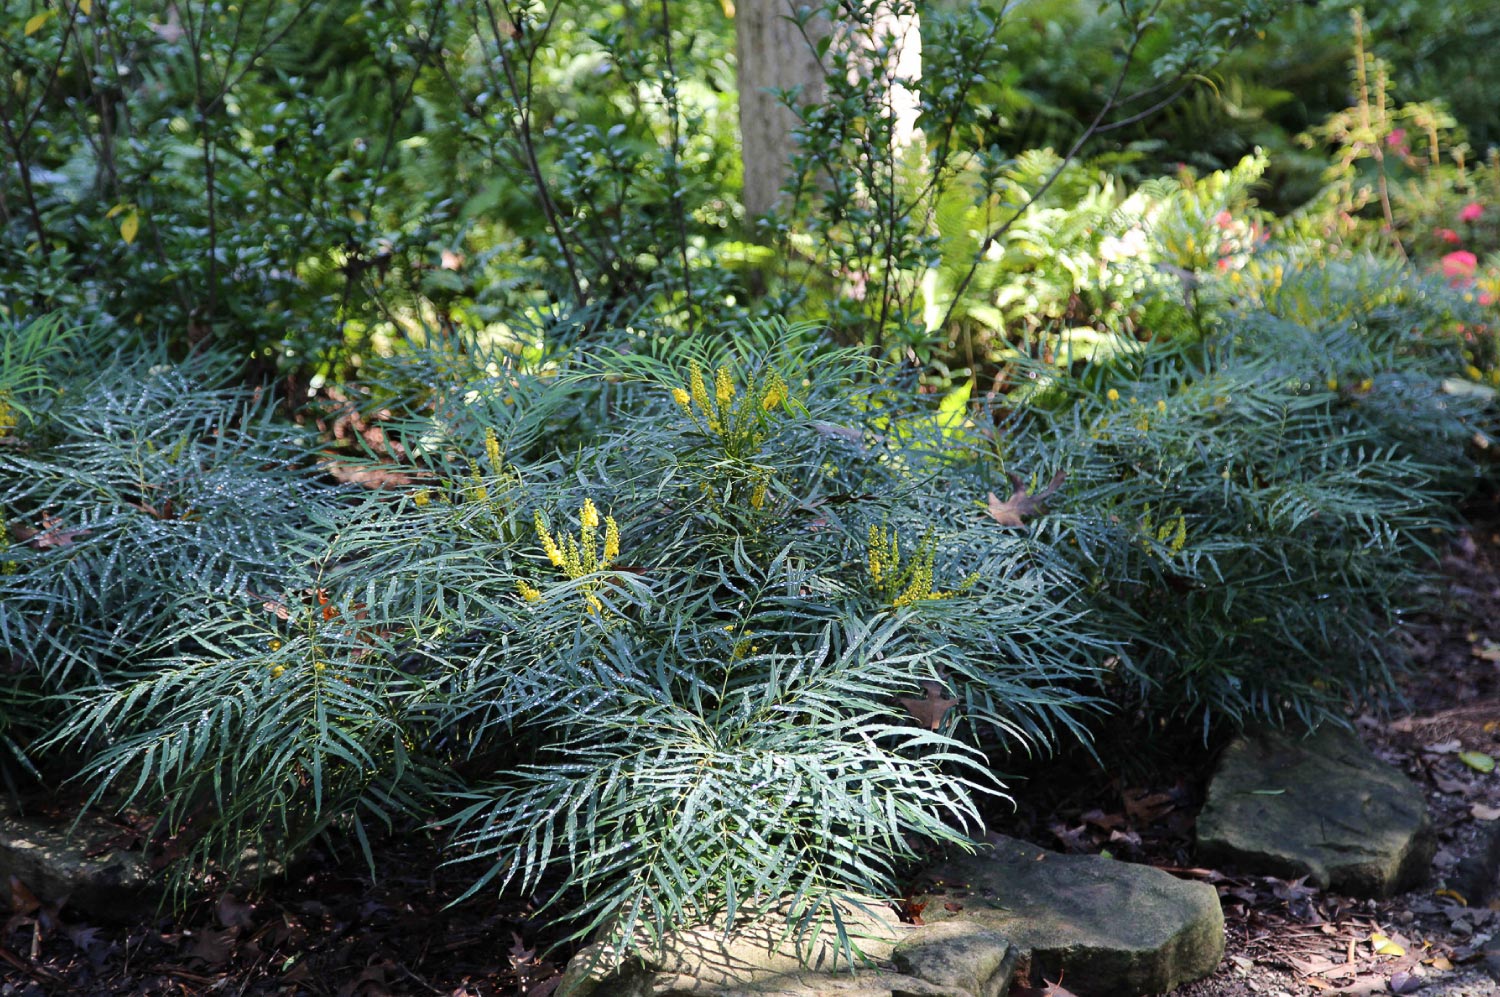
pixel 776 53
pixel 773 53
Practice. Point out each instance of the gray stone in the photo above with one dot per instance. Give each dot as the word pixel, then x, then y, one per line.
pixel 963 955
pixel 705 959
pixel 865 983
pixel 1321 807
pixel 53 860
pixel 1105 928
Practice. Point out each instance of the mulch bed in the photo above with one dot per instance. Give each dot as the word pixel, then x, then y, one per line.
pixel 331 930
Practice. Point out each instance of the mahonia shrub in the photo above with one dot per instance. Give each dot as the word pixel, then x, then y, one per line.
pixel 740 644
pixel 129 495
pixel 1253 512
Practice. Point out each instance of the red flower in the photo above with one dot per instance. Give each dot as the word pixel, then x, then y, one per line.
pixel 1471 212
pixel 1447 235
pixel 1460 263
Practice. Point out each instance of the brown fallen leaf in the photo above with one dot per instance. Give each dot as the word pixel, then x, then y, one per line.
pixel 22 900
pixel 52 533
pixel 932 708
pixel 1022 504
pixel 1047 989
pixel 234 914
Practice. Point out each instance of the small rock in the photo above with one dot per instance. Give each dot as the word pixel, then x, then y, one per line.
pixel 706 959
pixel 1105 927
pixel 959 954
pixel 54 862
pixel 1320 807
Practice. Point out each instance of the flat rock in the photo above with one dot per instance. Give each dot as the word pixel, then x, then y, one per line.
pixel 1321 807
pixel 963 955
pixel 706 959
pixel 57 862
pixel 1106 928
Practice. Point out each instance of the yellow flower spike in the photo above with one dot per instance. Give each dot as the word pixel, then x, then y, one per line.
pixel 492 449
pixel 696 387
pixel 528 591
pixel 554 552
pixel 593 603
pixel 1179 538
pixel 758 496
pixel 611 539
pixel 588 515
pixel 775 392
pixel 723 386
pixel 476 490
pixel 572 563
pixel 681 397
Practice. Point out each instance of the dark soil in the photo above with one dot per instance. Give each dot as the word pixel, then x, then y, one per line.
pixel 330 929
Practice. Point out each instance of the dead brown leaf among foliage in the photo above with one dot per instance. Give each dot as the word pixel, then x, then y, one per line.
pixel 933 707
pixel 1022 504
pixel 52 533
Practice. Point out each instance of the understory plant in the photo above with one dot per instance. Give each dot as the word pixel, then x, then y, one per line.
pixel 742 647
pixel 133 488
pixel 1252 512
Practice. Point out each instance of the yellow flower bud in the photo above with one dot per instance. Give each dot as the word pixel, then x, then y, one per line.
pixel 723 386
pixel 611 539
pixel 696 387
pixel 554 552
pixel 492 449
pixel 1112 395
pixel 421 497
pixel 681 397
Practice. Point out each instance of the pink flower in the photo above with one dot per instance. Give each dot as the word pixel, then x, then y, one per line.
pixel 1486 298
pixel 1397 138
pixel 1447 235
pixel 1460 263
pixel 1471 212
pixel 1224 219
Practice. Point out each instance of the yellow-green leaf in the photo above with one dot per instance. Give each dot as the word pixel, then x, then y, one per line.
pixel 114 211
pixel 1384 946
pixel 87 6
pixel 1477 760
pixel 130 226
pixel 38 22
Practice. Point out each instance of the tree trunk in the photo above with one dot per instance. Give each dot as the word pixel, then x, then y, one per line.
pixel 774 53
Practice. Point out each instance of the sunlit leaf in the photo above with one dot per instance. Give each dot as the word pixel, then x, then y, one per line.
pixel 130 226
pixel 1477 760
pixel 36 23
